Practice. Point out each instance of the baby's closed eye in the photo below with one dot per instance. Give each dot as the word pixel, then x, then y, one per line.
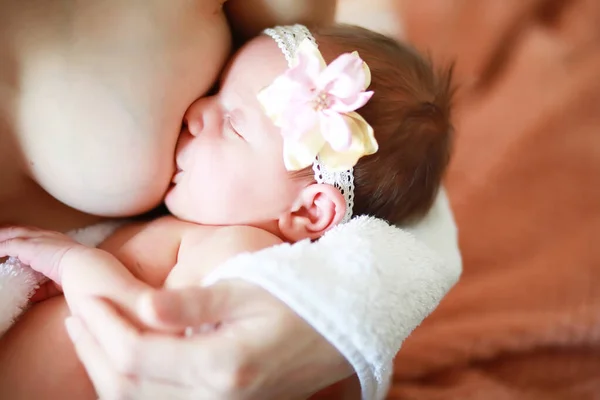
pixel 232 126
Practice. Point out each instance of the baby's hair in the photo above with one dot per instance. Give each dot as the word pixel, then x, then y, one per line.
pixel 410 115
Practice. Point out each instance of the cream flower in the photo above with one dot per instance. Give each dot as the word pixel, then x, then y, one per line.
pixel 314 105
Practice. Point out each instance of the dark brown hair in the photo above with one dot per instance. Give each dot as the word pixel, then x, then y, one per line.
pixel 410 115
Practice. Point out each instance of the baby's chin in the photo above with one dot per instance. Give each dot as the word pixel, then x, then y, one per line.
pixel 178 210
pixel 171 203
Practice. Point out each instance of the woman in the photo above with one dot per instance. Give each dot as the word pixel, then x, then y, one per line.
pixel 78 75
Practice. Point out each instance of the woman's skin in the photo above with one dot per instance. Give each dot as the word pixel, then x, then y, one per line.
pixel 92 95
pixel 95 98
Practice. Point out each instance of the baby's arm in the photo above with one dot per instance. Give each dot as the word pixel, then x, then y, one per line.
pixel 80 270
pixel 200 254
pixel 85 271
pixel 249 17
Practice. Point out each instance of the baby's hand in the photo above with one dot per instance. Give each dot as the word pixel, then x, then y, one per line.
pixel 44 251
pixel 81 271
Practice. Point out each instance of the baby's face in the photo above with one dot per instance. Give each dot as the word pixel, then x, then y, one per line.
pixel 230 155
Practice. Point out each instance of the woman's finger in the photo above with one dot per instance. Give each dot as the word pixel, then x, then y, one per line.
pixel 115 336
pixel 182 308
pixel 155 356
pixel 103 377
pixel 109 384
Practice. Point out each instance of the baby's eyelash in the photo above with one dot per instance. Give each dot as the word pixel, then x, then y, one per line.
pixel 232 127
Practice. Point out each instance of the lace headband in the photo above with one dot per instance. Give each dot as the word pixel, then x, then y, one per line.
pixel 292 40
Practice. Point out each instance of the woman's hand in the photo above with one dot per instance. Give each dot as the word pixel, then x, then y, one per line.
pixel 259 349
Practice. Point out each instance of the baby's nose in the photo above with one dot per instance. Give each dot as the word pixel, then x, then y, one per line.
pixel 203 114
pixel 194 122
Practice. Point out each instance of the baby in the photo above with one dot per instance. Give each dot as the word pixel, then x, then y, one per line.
pixel 287 148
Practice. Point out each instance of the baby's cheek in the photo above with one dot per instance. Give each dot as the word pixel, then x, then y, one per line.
pixel 236 199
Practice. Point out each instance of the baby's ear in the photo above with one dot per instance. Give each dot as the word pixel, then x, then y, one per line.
pixel 318 208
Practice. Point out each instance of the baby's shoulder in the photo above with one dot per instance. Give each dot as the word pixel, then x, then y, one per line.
pixel 245 238
pixel 206 251
pixel 148 233
pixel 169 223
pixel 228 239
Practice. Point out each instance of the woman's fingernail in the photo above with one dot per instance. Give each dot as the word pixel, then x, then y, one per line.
pixel 74 328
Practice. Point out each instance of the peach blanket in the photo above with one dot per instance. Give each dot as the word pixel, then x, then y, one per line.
pixel 524 322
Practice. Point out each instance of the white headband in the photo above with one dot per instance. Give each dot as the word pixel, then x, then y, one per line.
pixel 288 38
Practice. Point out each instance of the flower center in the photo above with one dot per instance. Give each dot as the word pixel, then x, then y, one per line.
pixel 321 101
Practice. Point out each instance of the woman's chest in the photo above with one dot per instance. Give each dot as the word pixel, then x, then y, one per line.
pixel 98 91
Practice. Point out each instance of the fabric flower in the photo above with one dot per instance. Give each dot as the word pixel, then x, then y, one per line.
pixel 314 105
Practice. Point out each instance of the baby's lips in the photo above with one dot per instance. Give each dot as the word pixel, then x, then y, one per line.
pixel 177 176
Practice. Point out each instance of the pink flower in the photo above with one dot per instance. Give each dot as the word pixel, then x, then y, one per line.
pixel 314 105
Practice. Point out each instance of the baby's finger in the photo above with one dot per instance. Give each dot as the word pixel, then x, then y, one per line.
pixel 42 254
pixel 29 250
pixel 11 232
pixel 15 247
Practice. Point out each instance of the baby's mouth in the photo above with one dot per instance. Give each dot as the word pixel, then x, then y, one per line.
pixel 177 176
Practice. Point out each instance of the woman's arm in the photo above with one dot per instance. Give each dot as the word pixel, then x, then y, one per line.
pixel 250 17
pixel 364 286
pixel 438 231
